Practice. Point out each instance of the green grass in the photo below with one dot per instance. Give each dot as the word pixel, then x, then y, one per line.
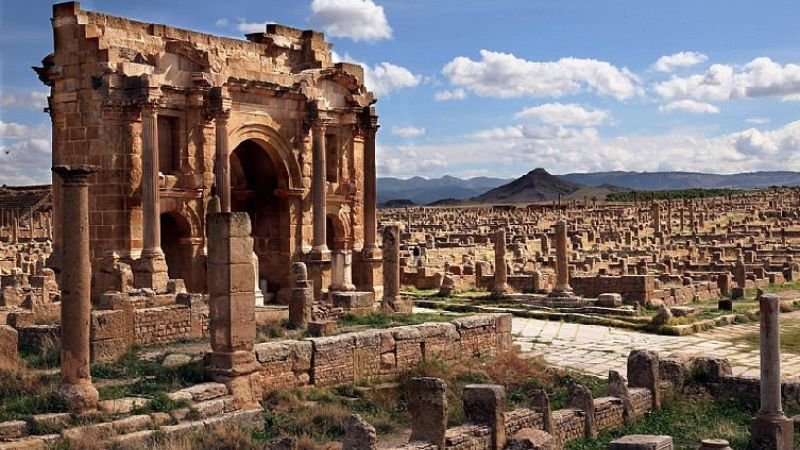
pixel 644 196
pixel 688 421
pixel 790 339
pixel 24 394
pixel 380 320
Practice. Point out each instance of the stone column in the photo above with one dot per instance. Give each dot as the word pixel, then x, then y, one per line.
pixel 15 230
pixel 231 295
pixel 427 403
pixel 485 404
pixel 771 429
pixel 76 277
pixel 562 261
pixel 370 181
pixel 500 270
pixel 151 270
pixel 319 189
pixel 392 301
pixel 222 166
pixel 302 296
pixel 656 218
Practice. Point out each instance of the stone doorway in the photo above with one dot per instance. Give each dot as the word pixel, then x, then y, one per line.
pixel 177 246
pixel 255 182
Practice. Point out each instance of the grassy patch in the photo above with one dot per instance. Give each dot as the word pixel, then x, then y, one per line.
pixel 688 421
pixel 790 339
pixel 380 320
pixel 25 394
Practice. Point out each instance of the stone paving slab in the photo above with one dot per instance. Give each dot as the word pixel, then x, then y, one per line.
pixel 596 349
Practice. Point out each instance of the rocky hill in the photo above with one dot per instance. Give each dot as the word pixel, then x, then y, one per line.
pixel 423 191
pixel 535 186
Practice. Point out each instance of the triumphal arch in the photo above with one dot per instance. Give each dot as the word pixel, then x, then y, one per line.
pixel 181 122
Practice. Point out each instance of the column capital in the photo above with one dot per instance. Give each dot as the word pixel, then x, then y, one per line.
pixel 76 175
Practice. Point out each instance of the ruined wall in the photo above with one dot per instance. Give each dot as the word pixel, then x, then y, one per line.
pixel 378 354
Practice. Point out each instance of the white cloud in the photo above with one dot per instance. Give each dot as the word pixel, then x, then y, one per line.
pixel 384 77
pixel 252 27
pixel 564 114
pixel 408 132
pixel 32 99
pixel 24 154
pixel 221 23
pixel 455 94
pixel 757 120
pixel 761 77
pixel 406 161
pixel 506 76
pixel 515 149
pixel 791 98
pixel 690 106
pixel 669 63
pixel 354 19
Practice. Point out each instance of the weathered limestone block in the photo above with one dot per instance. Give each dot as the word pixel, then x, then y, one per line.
pixel 580 397
pixel 643 372
pixel 427 404
pixel 609 300
pixel 9 354
pixel 302 296
pixel 618 387
pixel 531 439
pixel 359 435
pixel 641 442
pixel 485 404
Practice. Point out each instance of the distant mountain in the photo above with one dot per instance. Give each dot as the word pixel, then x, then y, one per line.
pixel 685 180
pixel 423 191
pixel 535 186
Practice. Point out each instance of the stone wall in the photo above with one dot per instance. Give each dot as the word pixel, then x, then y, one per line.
pixel 376 354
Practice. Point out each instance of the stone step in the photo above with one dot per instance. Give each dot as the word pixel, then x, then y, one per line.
pixel 200 392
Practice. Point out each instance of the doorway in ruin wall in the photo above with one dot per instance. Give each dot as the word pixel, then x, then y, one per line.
pixel 175 242
pixel 255 179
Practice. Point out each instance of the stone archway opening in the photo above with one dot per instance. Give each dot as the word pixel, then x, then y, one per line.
pixel 255 180
pixel 176 245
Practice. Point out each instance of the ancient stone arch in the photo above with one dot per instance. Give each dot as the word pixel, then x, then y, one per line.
pixel 276 146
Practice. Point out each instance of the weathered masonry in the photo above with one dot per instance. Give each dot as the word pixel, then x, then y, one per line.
pixel 270 125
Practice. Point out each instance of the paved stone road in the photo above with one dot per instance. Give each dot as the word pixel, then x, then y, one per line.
pixel 596 349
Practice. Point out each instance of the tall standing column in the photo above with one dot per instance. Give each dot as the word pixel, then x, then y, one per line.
pixel 656 218
pixel 319 188
pixel 500 270
pixel 76 276
pixel 151 271
pixel 222 166
pixel 370 183
pixel 562 261
pixel 392 301
pixel 771 429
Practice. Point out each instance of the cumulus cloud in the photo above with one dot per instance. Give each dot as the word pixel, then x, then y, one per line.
pixel 359 20
pixel 564 114
pixel 408 132
pixel 24 153
pixel 32 99
pixel 669 63
pixel 454 94
pixel 507 76
pixel 384 77
pixel 405 161
pixel 757 120
pixel 690 106
pixel 221 23
pixel 761 77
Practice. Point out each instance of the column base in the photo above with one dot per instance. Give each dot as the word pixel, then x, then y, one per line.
pixel 772 431
pixel 397 305
pixel 321 253
pixel 80 398
pixel 151 272
pixel 231 364
pixel 561 293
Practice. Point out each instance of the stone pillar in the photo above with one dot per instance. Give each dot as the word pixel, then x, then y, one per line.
pixel 319 189
pixel 771 429
pixel 392 301
pixel 540 402
pixel 359 435
pixel 643 372
pixel 222 165
pixel 76 277
pixel 231 298
pixel 337 270
pixel 580 397
pixel 151 270
pixel 500 269
pixel 485 404
pixel 656 218
pixel 427 404
pixel 348 271
pixel 562 260
pixel 256 288
pixel 302 296
pixel 15 230
pixel 370 126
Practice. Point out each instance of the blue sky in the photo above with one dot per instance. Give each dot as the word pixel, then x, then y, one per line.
pixel 500 87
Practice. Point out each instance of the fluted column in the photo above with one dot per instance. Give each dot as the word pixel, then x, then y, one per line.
pixel 562 260
pixel 319 188
pixel 370 185
pixel 76 384
pixel 151 270
pixel 151 226
pixel 222 167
